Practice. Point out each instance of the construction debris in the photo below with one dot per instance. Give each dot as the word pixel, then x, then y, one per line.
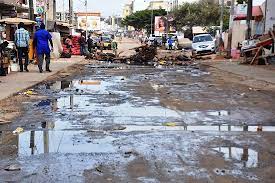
pixel 254 50
pixel 146 55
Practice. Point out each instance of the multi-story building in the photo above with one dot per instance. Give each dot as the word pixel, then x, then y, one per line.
pixel 128 9
pixel 63 16
pixel 13 8
pixel 158 4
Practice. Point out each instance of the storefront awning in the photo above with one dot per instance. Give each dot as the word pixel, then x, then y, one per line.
pixel 16 21
pixel 64 24
pixel 256 12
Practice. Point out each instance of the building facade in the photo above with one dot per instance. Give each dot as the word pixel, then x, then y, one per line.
pixel 128 9
pixel 14 8
pixel 158 4
pixel 268 8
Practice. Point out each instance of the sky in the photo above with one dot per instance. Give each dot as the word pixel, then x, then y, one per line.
pixel 110 7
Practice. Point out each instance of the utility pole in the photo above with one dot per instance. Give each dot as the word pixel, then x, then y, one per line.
pixel 54 10
pixel 86 6
pixel 229 43
pixel 221 25
pixel 31 10
pixel 71 11
pixel 152 16
pixel 249 18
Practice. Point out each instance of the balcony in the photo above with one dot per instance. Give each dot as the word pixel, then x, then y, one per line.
pixel 8 2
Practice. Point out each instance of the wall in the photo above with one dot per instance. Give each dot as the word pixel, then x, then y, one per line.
pixel 238 33
pixel 270 15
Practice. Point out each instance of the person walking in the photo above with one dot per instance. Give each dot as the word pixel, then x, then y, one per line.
pixel 22 38
pixel 41 42
pixel 114 47
pixel 170 43
pixel 82 42
pixel 90 43
pixel 69 43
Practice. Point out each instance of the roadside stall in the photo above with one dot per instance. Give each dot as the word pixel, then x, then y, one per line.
pixel 8 27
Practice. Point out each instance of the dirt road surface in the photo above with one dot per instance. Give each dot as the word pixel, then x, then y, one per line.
pixel 104 122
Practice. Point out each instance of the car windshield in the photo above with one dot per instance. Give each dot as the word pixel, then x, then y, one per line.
pixel 106 39
pixel 202 39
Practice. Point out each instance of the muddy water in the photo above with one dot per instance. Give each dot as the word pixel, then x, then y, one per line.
pixel 115 124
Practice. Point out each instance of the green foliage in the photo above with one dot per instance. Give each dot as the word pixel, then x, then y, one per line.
pixel 142 19
pixel 202 13
pixel 242 1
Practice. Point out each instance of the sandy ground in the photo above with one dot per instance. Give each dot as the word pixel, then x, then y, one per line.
pixel 102 122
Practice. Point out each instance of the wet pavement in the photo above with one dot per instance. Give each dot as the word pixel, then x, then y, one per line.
pixel 117 123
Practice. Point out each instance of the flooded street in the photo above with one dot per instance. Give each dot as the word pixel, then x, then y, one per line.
pixel 121 123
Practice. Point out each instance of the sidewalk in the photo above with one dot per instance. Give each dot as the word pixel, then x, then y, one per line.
pixel 17 81
pixel 261 73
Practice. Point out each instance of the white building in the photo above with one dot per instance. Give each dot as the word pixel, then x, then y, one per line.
pixel 268 8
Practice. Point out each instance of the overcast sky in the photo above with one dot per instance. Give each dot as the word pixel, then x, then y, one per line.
pixel 109 7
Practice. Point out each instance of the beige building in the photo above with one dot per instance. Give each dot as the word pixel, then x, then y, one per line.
pixel 158 4
pixel 128 9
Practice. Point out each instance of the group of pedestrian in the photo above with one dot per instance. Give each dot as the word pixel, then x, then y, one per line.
pixel 89 45
pixel 41 41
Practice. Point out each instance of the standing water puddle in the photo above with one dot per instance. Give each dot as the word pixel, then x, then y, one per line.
pixel 205 128
pixel 246 157
pixel 51 141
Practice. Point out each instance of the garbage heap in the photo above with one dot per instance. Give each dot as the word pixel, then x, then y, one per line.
pixel 146 55
pixel 259 51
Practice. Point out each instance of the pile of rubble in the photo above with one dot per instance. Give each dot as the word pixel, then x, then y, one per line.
pixel 146 55
pixel 257 51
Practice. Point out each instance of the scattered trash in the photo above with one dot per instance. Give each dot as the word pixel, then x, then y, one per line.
pixel 127 154
pixel 95 131
pixel 99 169
pixel 3 121
pixel 14 167
pixel 114 128
pixel 30 92
pixel 90 82
pixel 170 124
pixel 43 103
pixel 18 130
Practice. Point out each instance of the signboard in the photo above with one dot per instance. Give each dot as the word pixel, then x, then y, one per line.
pixel 160 25
pixel 92 23
pixel 241 9
pixel 39 6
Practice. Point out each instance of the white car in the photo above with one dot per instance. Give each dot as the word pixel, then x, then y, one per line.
pixel 203 43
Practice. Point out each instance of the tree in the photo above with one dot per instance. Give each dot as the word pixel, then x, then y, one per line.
pixel 142 19
pixel 241 1
pixel 202 13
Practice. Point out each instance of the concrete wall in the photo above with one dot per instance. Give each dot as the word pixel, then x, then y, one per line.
pixel 238 33
pixel 270 14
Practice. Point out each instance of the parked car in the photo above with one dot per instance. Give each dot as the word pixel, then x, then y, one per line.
pixel 106 42
pixel 202 44
pixel 153 39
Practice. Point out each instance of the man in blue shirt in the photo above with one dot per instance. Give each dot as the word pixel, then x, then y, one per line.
pixel 21 39
pixel 41 42
pixel 170 43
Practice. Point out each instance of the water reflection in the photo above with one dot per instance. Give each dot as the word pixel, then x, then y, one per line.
pixel 60 85
pixel 206 128
pixel 246 157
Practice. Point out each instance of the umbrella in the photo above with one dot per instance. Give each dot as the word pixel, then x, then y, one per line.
pixel 17 21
